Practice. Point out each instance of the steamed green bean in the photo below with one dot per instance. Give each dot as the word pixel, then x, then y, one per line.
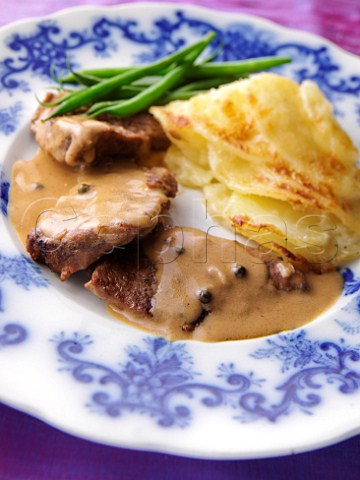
pixel 86 96
pixel 127 90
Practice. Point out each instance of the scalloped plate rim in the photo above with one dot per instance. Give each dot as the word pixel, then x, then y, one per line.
pixel 135 443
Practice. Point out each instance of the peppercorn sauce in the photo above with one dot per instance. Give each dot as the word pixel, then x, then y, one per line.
pixel 52 195
pixel 201 295
pixel 208 288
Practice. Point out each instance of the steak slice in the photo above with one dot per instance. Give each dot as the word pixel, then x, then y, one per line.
pixel 128 279
pixel 111 211
pixel 125 279
pixel 76 139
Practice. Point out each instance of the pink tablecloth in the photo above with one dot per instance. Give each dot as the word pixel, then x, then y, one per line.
pixel 31 450
pixel 335 20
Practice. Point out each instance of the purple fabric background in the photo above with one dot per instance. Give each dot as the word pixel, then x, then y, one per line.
pixel 31 450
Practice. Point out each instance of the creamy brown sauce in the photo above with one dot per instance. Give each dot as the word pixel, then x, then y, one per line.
pixel 82 132
pixel 54 197
pixel 190 261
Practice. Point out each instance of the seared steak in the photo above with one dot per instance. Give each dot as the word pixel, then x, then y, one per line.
pixel 76 139
pixel 125 279
pixel 99 214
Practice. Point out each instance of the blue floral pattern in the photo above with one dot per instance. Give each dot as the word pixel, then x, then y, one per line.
pixel 4 193
pixel 12 334
pixel 20 270
pixel 44 50
pixel 158 379
pixel 9 118
pixel 350 318
pixel 351 282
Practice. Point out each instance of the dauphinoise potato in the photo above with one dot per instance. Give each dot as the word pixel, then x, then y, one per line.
pixel 274 163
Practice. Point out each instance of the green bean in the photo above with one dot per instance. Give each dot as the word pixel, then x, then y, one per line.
pixel 83 79
pixel 96 74
pixel 122 93
pixel 149 80
pixel 182 93
pixel 109 104
pixel 213 55
pixel 85 96
pixel 106 104
pixel 236 68
pixel 88 95
pixel 80 78
pixel 148 96
pixel 170 97
pixel 144 99
pixel 201 70
pixel 179 95
pixel 128 91
pixel 91 77
pixel 206 84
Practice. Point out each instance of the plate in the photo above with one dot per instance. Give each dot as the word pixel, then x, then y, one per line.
pixel 64 360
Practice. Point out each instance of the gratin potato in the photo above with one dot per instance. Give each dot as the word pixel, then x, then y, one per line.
pixel 273 162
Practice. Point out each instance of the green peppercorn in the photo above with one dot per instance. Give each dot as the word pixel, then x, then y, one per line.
pixel 239 271
pixel 83 188
pixel 205 296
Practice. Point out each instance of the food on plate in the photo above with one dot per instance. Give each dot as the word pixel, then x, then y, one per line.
pixel 68 218
pixel 273 162
pixel 187 284
pixel 96 196
pixel 76 139
pixel 127 91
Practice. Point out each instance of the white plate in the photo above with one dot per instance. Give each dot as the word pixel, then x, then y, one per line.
pixel 65 361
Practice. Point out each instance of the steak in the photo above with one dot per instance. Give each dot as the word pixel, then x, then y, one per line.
pixel 125 279
pixel 76 139
pixel 104 213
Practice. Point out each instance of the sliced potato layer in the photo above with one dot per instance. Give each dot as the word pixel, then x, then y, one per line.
pixel 271 158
